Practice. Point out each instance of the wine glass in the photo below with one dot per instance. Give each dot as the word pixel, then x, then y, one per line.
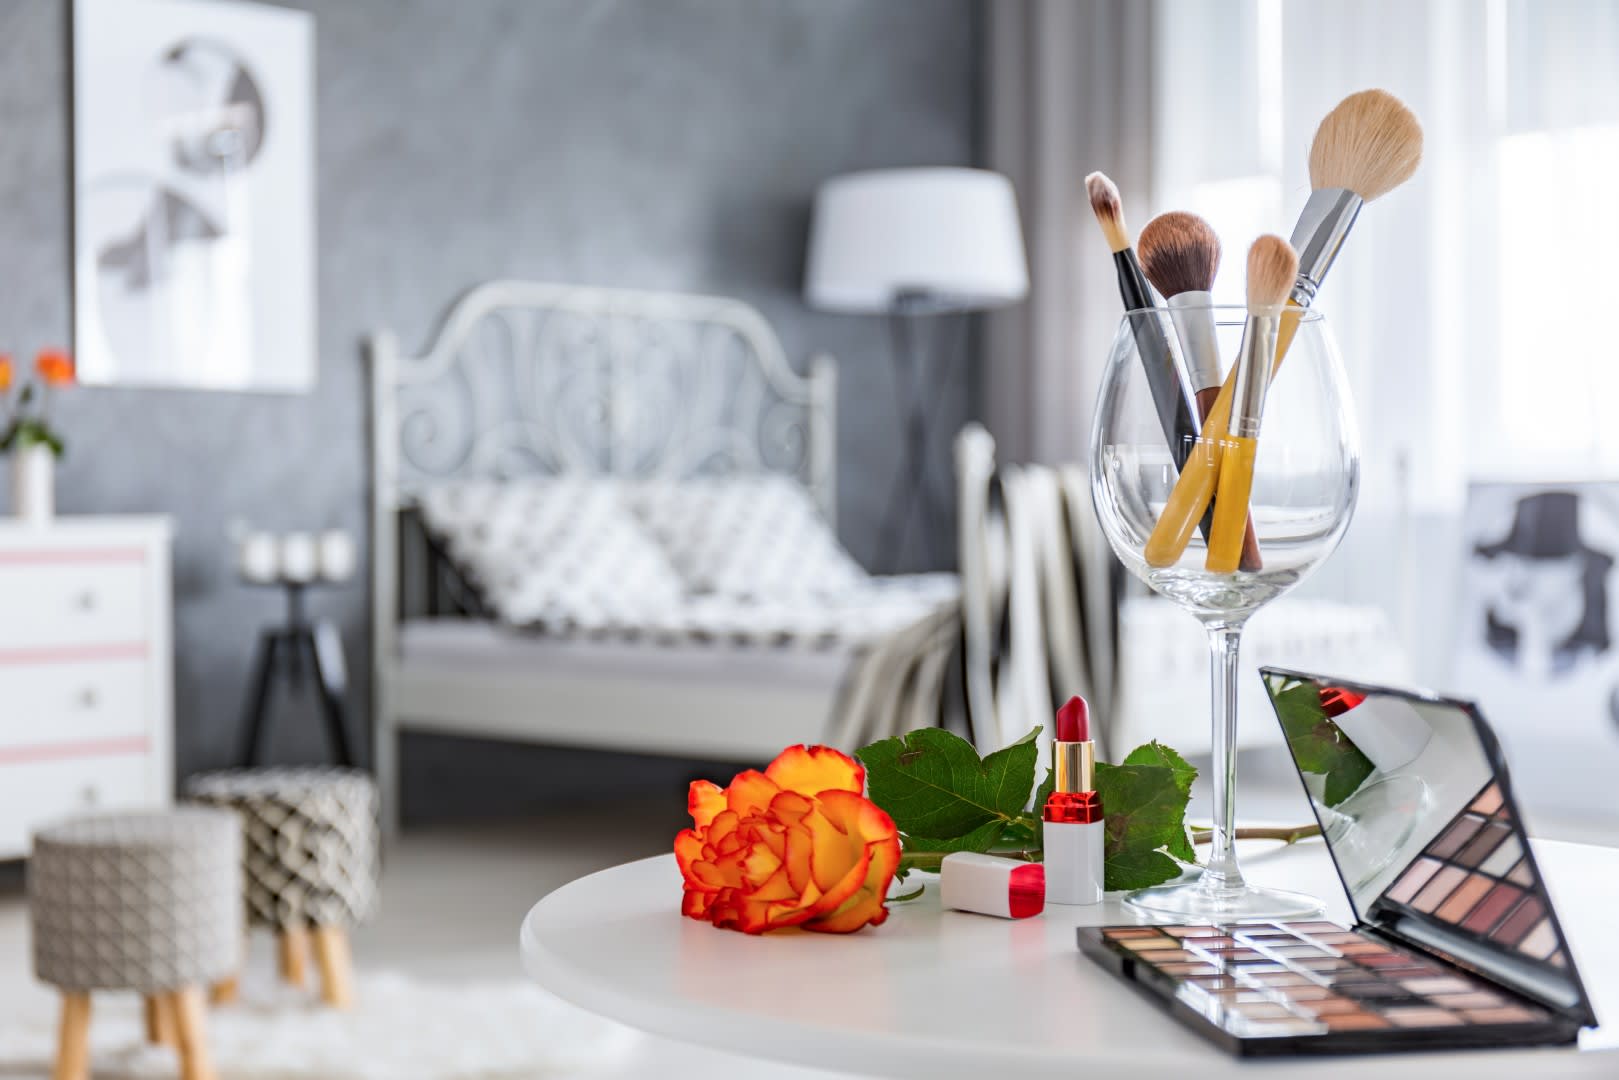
pixel 1305 477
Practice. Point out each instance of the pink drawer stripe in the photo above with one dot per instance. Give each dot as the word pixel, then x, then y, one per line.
pixel 61 654
pixel 20 755
pixel 73 556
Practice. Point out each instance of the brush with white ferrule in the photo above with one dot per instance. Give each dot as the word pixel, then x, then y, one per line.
pixel 1272 268
pixel 1180 254
pixel 1171 396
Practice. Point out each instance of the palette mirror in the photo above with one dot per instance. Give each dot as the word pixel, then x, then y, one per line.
pixel 1415 804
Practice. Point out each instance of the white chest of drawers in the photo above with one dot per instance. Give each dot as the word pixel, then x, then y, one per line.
pixel 86 670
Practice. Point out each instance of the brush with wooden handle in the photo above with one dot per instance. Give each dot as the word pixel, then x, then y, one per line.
pixel 1171 395
pixel 1366 147
pixel 1272 267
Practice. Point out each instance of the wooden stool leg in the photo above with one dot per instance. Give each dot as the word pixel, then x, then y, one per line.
pixel 160 1021
pixel 191 1022
pixel 336 967
pixel 294 942
pixel 225 991
pixel 73 1047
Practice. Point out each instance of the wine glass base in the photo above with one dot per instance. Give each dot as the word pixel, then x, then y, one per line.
pixel 1193 903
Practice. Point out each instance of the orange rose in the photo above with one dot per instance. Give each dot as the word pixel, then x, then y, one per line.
pixel 54 366
pixel 6 373
pixel 795 845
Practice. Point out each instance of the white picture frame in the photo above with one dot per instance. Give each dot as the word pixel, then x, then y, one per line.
pixel 193 195
pixel 1537 641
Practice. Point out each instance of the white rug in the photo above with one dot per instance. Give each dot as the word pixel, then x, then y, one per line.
pixel 400 1029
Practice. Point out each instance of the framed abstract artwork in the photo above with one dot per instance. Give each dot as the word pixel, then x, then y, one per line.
pixel 193 194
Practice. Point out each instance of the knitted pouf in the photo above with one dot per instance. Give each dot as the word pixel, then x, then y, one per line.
pixel 148 902
pixel 310 858
pixel 310 851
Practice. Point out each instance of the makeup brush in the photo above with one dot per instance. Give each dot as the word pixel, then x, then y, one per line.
pixel 1369 144
pixel 1180 254
pixel 1171 396
pixel 1273 266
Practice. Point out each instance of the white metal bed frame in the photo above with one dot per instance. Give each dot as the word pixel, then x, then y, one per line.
pixel 526 378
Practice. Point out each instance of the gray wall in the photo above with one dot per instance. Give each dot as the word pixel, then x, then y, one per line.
pixel 658 143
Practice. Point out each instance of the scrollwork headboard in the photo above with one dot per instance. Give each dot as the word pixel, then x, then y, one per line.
pixel 526 378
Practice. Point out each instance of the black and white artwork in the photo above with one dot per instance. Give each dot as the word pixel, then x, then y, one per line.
pixel 1538 642
pixel 193 194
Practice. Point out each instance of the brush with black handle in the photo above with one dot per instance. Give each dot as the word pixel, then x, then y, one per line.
pixel 1166 377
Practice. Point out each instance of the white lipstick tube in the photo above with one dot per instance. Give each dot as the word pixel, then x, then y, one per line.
pixel 1073 848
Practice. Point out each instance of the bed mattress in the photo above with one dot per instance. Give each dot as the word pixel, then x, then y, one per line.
pixel 464 645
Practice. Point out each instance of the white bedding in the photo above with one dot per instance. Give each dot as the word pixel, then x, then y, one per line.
pixel 569 558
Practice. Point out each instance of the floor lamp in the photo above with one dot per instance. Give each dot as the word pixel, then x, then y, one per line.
pixel 915 245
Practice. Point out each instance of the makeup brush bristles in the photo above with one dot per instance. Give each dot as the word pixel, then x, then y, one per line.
pixel 1109 210
pixel 1179 253
pixel 1370 143
pixel 1272 266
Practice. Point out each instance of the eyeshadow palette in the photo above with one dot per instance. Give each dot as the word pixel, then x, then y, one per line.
pixel 1455 942
pixel 1280 987
pixel 1477 877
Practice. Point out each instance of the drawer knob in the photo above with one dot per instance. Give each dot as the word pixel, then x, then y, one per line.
pixel 86 601
pixel 90 796
pixel 88 698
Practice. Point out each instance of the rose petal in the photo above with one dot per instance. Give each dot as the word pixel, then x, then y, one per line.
pixel 703 801
pixel 810 770
pixel 868 905
pixel 750 792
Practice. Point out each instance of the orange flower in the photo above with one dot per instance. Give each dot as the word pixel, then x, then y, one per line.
pixel 54 366
pixel 795 845
pixel 6 373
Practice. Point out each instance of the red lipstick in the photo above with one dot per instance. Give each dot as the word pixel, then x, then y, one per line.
pixel 1073 813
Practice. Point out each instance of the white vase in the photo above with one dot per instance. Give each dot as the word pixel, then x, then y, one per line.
pixel 33 484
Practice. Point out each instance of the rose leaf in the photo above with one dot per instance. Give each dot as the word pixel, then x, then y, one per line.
pixel 933 783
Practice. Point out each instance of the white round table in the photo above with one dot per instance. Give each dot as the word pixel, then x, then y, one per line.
pixel 938 994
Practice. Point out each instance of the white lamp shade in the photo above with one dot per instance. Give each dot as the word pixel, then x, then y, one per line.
pixel 949 233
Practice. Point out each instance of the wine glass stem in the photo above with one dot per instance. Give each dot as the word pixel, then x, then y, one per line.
pixel 1221 875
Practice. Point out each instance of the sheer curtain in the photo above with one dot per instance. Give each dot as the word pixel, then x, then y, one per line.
pixel 1456 298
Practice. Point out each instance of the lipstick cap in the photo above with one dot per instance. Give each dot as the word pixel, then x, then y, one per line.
pixel 987 885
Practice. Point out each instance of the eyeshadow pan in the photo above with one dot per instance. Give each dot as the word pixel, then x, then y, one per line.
pixel 1151 944
pixel 1451 840
pixel 1467 894
pixel 1541 942
pixel 1487 840
pixel 1448 984
pixel 1521 874
pixel 1474 999
pixel 1506 1014
pixel 1437 889
pixel 1118 933
pixel 1492 908
pixel 1191 931
pixel 1189 968
pixel 1414 878
pixel 1503 857
pixel 1343 937
pixel 1354 1022
pixel 1518 925
pixel 1488 801
pixel 1421 1016
pixel 1363 948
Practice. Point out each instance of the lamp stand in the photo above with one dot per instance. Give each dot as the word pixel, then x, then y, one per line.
pixel 913 495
